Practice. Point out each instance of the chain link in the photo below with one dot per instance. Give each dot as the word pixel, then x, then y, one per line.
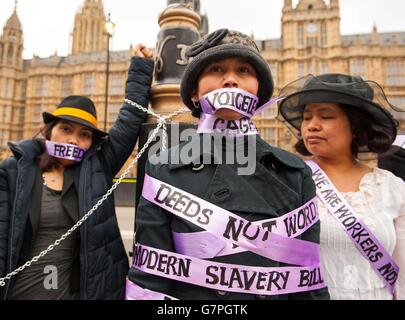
pixel 162 124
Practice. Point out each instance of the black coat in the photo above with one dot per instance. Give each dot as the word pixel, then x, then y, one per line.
pixel 393 161
pixel 103 260
pixel 281 182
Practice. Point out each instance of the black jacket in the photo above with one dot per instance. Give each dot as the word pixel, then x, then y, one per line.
pixel 103 260
pixel 281 182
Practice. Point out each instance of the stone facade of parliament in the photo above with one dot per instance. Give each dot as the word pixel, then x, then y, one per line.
pixel 311 42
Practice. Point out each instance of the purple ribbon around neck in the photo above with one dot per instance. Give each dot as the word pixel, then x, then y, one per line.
pixel 210 124
pixel 65 151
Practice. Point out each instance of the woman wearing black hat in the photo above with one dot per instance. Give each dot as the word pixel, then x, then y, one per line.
pixel 50 183
pixel 203 219
pixel 362 209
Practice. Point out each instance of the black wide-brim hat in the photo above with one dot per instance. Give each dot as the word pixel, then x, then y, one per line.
pixel 219 45
pixel 367 96
pixel 77 109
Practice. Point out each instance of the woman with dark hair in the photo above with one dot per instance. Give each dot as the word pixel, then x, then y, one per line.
pixel 362 209
pixel 49 184
pixel 202 223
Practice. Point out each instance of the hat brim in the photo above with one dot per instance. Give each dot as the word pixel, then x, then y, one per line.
pixel 200 62
pixel 48 117
pixel 292 107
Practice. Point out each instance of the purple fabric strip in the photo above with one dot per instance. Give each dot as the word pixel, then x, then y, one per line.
pixel 204 245
pixel 362 237
pixel 268 104
pixel 135 292
pixel 234 99
pixel 211 124
pixel 228 226
pixel 201 245
pixel 227 277
pixel 64 151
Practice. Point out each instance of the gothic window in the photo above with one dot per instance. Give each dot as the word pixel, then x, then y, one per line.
pixel 324 67
pixel 8 90
pixel 4 92
pixel 89 84
pixel 10 54
pixel 113 111
pixel 2 135
pixel 312 41
pixel 66 86
pixel 324 35
pixel 98 36
pixel 116 85
pixel 6 114
pixel 45 87
pixel 274 72
pixel 37 111
pixel 23 92
pixel 301 69
pixel 41 87
pixel 310 69
pixel 300 35
pixel 38 87
pixel 20 115
pixel 2 114
pixel 358 68
pixel 92 35
pixel 395 73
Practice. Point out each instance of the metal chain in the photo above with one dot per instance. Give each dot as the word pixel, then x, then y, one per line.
pixel 162 121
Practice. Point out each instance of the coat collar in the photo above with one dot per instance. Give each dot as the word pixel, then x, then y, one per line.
pixel 28 149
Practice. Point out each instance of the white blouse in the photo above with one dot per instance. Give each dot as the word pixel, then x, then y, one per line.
pixel 380 204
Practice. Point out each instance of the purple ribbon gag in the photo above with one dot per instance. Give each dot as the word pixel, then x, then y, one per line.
pixel 233 99
pixel 230 98
pixel 65 151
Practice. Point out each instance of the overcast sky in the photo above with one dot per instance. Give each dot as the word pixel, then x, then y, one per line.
pixel 48 23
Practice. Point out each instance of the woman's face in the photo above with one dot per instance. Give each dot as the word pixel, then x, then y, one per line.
pixel 227 73
pixel 326 130
pixel 71 133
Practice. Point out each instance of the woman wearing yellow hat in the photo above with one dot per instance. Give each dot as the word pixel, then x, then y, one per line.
pixel 50 183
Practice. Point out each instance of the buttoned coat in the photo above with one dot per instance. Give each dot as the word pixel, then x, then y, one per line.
pixel 280 183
